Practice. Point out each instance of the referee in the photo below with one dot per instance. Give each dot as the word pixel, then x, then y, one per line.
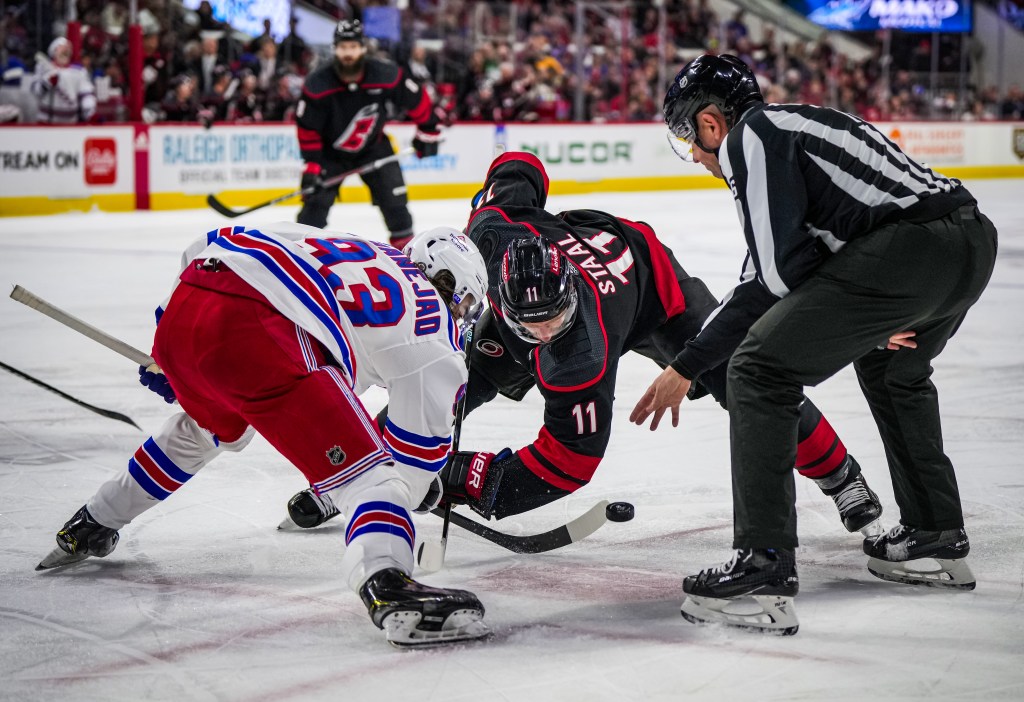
pixel 854 251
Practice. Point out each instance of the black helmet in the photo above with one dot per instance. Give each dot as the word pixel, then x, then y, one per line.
pixel 348 30
pixel 723 81
pixel 536 286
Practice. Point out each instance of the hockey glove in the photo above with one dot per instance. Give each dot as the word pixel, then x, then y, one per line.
pixel 311 177
pixel 426 141
pixel 473 478
pixel 158 383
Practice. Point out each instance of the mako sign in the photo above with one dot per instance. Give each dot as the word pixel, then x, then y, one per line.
pixel 905 15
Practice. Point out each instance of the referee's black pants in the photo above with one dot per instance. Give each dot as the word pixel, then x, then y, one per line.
pixel 900 277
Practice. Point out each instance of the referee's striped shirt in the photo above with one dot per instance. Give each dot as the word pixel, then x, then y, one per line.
pixel 807 180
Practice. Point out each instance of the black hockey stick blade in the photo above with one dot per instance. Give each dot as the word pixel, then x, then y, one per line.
pixel 111 414
pixel 578 529
pixel 223 209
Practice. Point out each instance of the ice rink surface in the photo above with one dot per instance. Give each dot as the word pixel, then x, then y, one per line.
pixel 204 600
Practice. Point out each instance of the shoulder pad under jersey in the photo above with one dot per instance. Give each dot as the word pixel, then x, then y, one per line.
pixel 578 359
pixel 380 74
pixel 320 81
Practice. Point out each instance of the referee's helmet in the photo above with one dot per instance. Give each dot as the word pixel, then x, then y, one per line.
pixel 724 81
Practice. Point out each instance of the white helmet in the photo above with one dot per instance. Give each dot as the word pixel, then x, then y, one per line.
pixel 444 248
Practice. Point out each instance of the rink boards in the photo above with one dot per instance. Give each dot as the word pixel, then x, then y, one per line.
pixel 45 170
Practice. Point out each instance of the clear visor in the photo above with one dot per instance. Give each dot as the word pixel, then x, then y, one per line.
pixel 547 331
pixel 682 147
pixel 467 309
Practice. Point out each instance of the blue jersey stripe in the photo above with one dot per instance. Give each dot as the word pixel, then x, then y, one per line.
pixel 301 295
pixel 145 482
pixel 313 274
pixel 164 462
pixel 417 439
pixel 432 466
pixel 383 528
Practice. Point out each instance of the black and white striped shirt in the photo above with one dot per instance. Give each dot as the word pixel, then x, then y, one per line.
pixel 806 181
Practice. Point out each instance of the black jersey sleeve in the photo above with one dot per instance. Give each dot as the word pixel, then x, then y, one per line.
pixel 412 98
pixel 311 120
pixel 726 326
pixel 515 179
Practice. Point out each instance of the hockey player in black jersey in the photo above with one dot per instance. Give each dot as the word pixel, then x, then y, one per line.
pixel 850 242
pixel 570 294
pixel 340 121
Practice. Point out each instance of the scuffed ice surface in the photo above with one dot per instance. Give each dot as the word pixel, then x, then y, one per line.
pixel 205 600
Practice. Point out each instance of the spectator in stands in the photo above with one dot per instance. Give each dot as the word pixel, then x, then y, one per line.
pixel 281 102
pixel 266 34
pixel 16 103
pixel 180 104
pixel 246 105
pixel 214 102
pixel 1012 106
pixel 266 66
pixel 156 70
pixel 66 95
pixel 292 46
pixel 209 59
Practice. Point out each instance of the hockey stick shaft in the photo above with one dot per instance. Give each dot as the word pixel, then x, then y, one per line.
pixel 569 533
pixel 35 302
pixel 223 209
pixel 111 414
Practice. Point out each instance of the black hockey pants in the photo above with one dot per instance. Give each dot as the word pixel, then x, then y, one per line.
pixel 387 188
pixel 901 277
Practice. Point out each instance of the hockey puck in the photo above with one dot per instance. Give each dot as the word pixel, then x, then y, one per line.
pixel 619 512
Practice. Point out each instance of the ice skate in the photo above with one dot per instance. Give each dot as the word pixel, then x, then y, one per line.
pixel 412 614
pixel 81 537
pixel 307 509
pixel 754 590
pixel 858 505
pixel 918 557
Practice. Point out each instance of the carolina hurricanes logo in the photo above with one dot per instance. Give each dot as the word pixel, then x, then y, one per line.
pixel 359 130
pixel 490 348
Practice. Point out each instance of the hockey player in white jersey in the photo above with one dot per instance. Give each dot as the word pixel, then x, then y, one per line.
pixel 277 330
pixel 66 94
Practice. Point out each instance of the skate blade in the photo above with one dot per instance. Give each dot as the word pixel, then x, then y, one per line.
pixel 58 557
pixel 950 573
pixel 873 530
pixel 770 614
pixel 401 629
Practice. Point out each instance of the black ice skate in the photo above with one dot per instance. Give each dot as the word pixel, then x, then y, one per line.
pixel 918 557
pixel 81 537
pixel 413 614
pixel 754 590
pixel 306 510
pixel 858 505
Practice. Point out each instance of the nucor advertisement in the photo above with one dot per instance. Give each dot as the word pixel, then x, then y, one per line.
pixel 66 163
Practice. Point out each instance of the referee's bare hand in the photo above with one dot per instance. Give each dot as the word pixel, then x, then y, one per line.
pixel 666 392
pixel 901 340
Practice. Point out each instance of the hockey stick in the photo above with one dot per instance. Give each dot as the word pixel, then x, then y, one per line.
pixel 578 529
pixel 92 408
pixel 223 209
pixel 430 557
pixel 20 294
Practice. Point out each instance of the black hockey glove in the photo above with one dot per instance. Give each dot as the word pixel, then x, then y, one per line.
pixel 158 383
pixel 311 177
pixel 426 141
pixel 469 478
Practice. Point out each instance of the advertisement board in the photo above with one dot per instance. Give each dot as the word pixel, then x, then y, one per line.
pixel 48 169
pixel 953 16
